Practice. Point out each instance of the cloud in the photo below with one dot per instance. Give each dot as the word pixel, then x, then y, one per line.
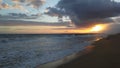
pixel 19 1
pixel 19 7
pixel 35 3
pixel 85 12
pixel 112 29
pixel 23 6
pixel 54 12
pixel 20 4
pixel 0 1
pixel 15 6
pixel 4 5
pixel 17 15
pixel 28 23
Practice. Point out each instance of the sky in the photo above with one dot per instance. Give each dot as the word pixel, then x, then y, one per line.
pixel 44 16
pixel 9 7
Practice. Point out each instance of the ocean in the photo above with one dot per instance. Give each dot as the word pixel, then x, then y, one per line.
pixel 30 50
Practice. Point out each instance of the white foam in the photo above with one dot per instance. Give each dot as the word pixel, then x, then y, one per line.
pixel 29 53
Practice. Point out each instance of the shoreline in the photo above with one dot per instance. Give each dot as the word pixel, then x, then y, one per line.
pixel 105 54
pixel 69 58
pixel 40 50
pixel 57 63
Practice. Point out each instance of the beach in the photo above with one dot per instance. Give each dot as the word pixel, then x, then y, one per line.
pixel 104 54
pixel 73 51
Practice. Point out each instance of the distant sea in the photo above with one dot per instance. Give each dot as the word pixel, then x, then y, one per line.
pixel 30 50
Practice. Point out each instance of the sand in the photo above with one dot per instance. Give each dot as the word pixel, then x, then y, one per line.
pixel 105 53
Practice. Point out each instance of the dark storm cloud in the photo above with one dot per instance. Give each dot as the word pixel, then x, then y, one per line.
pixel 85 12
pixel 112 29
pixel 54 12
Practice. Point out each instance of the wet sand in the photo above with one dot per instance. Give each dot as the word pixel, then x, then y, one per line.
pixel 67 59
pixel 105 54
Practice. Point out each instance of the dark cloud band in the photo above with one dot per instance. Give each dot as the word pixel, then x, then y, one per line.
pixel 85 12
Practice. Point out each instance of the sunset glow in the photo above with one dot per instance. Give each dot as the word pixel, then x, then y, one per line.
pixel 97 28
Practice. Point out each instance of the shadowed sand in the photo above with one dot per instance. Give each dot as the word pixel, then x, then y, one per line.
pixel 105 54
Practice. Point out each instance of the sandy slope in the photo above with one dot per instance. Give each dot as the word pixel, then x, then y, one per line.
pixel 105 54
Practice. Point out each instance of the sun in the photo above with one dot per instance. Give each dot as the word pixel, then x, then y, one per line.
pixel 97 28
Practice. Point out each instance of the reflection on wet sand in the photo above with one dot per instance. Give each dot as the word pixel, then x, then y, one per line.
pixel 105 54
pixel 69 58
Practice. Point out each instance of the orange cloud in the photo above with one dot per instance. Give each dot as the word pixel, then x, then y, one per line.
pixel 20 7
pixel 34 3
pixel 4 5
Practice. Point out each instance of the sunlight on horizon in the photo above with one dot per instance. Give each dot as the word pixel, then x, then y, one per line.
pixel 98 28
pixel 51 29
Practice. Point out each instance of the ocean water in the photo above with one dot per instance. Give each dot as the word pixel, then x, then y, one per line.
pixel 28 51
